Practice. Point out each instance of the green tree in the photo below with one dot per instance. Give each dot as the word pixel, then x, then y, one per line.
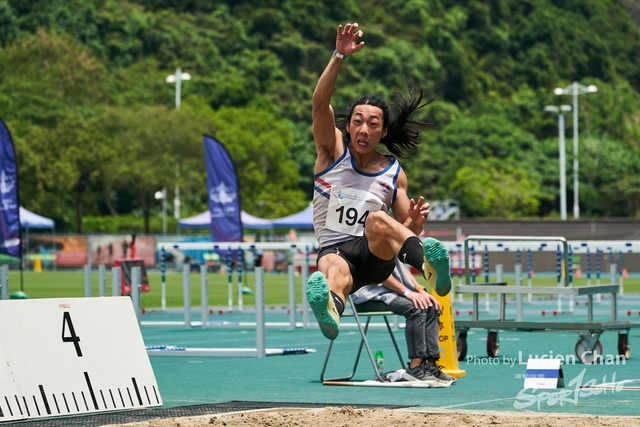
pixel 9 28
pixel 259 145
pixel 46 76
pixel 492 67
pixel 63 167
pixel 154 144
pixel 497 189
pixel 463 143
pixel 610 170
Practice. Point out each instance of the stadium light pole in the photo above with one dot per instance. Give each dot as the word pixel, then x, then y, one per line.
pixel 561 154
pixel 162 195
pixel 575 89
pixel 177 78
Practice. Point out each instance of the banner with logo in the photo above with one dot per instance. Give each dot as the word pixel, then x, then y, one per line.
pixel 9 205
pixel 224 197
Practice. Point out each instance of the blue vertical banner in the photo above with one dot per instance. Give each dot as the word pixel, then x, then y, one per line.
pixel 224 197
pixel 9 205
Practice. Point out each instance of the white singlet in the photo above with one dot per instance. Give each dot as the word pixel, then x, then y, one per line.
pixel 343 197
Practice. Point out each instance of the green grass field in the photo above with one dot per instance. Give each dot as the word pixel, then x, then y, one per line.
pixel 66 284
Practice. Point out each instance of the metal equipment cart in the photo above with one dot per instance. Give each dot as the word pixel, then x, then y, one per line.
pixel 588 348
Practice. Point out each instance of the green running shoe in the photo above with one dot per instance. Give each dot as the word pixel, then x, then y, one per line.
pixel 436 266
pixel 322 304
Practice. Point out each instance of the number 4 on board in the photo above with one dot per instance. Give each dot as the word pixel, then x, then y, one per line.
pixel 66 322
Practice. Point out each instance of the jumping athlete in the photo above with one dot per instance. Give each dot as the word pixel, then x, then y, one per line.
pixel 355 187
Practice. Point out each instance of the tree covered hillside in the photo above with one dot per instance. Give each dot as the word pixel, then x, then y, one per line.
pixel 97 132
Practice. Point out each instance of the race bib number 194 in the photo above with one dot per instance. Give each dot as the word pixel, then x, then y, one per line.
pixel 348 210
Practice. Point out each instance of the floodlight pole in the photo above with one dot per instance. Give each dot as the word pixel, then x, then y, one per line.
pixel 575 89
pixel 561 156
pixel 163 196
pixel 576 206
pixel 563 172
pixel 177 79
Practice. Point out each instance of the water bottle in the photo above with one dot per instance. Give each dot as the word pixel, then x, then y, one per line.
pixel 380 363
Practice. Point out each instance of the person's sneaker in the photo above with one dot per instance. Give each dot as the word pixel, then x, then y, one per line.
pixel 436 266
pixel 436 371
pixel 418 374
pixel 322 304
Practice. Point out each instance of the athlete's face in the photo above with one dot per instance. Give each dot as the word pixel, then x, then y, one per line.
pixel 366 128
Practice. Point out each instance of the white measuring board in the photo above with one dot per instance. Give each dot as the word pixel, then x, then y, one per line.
pixel 72 356
pixel 8 391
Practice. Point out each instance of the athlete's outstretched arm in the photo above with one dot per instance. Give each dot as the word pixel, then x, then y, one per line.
pixel 325 133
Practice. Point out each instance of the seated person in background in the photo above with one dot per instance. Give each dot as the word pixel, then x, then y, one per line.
pixel 402 294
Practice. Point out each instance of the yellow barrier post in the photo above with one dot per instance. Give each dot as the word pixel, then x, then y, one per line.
pixel 37 265
pixel 447 336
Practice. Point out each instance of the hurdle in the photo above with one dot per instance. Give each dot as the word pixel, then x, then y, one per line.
pixel 306 247
pixel 260 351
pixel 4 282
pixel 102 281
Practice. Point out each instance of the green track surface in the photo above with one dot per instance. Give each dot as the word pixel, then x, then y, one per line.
pixel 492 384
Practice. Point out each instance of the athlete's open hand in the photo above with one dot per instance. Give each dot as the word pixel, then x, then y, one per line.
pixel 418 212
pixel 347 39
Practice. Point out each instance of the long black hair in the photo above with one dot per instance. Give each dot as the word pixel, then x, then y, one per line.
pixel 402 132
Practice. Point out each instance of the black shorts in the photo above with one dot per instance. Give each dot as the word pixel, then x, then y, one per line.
pixel 365 267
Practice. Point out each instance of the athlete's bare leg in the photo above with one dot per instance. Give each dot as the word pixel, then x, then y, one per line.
pixel 333 275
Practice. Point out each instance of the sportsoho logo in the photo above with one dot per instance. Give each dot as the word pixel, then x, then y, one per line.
pixel 576 389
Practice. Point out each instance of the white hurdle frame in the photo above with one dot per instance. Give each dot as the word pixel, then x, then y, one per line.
pixel 4 280
pixel 87 281
pixel 306 247
pixel 135 292
pixel 260 351
pixel 115 281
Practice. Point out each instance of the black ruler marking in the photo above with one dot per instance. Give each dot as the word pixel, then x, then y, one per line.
pixel 112 399
pixel 147 393
pixel 104 402
pixel 56 402
pixel 65 402
pixel 93 396
pixel 8 405
pixel 24 399
pixel 130 399
pixel 86 407
pixel 156 394
pixel 18 403
pixel 75 401
pixel 120 393
pixel 35 402
pixel 135 387
pixel 44 399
